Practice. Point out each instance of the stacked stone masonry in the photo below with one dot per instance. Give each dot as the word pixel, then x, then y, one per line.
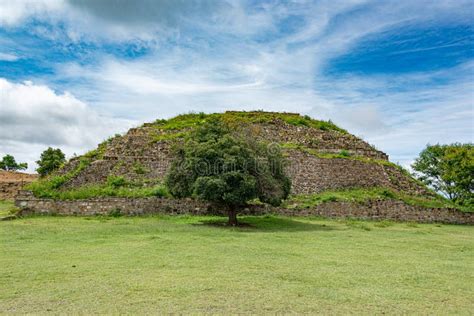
pixel 12 182
pixel 309 173
pixel 8 190
pixel 374 210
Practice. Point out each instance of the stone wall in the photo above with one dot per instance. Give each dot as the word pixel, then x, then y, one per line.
pixel 311 174
pixel 140 147
pixel 376 209
pixel 107 205
pixel 383 210
pixel 12 182
pixel 8 190
pixel 323 141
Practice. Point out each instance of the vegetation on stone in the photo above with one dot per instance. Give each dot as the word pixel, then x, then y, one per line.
pixel 233 118
pixel 363 195
pixel 95 191
pixel 142 157
pixel 99 152
pixel 342 154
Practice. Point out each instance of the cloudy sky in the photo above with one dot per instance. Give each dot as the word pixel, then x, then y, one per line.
pixel 399 73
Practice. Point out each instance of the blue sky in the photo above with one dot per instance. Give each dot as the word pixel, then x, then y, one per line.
pixel 400 74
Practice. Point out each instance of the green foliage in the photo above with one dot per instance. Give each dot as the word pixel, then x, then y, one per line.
pixel 228 170
pixel 139 168
pixel 344 153
pixel 46 187
pixel 51 159
pixel 232 118
pixel 183 121
pixel 160 191
pixel 9 163
pixel 7 208
pixel 449 169
pixel 99 152
pixel 116 181
pixel 50 186
pixel 93 191
pixel 168 136
pixel 363 195
pixel 115 213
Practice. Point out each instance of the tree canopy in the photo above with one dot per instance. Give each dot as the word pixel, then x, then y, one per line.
pixel 228 169
pixel 50 160
pixel 9 163
pixel 449 169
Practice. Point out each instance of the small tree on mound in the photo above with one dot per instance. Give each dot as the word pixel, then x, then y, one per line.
pixel 50 160
pixel 227 169
pixel 9 163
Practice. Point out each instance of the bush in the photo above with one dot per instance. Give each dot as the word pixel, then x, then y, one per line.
pixel 344 153
pixel 388 194
pixel 160 191
pixel 116 181
pixel 139 168
pixel 115 212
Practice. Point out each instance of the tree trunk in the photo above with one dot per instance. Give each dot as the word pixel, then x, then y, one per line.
pixel 232 217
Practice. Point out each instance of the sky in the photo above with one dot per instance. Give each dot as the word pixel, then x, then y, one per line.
pixel 399 74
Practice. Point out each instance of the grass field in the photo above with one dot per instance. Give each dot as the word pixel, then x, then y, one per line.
pixel 185 265
pixel 6 208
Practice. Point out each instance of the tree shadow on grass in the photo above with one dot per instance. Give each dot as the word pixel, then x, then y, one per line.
pixel 266 224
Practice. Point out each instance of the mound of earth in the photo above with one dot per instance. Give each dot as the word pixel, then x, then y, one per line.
pixel 321 155
pixel 11 182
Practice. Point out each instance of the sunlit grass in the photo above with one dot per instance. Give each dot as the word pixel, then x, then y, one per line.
pixel 7 208
pixel 274 265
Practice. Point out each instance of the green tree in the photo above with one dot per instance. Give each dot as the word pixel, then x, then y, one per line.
pixel 50 160
pixel 449 169
pixel 9 163
pixel 227 169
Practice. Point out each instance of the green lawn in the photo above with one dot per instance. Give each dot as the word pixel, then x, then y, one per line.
pixel 278 265
pixel 6 208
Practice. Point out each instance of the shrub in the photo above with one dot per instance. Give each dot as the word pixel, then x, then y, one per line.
pixel 116 181
pixel 139 168
pixel 115 212
pixel 160 191
pixel 344 153
pixel 388 194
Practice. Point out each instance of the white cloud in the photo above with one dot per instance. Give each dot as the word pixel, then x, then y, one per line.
pixel 8 57
pixel 401 114
pixel 36 116
pixel 237 58
pixel 13 12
